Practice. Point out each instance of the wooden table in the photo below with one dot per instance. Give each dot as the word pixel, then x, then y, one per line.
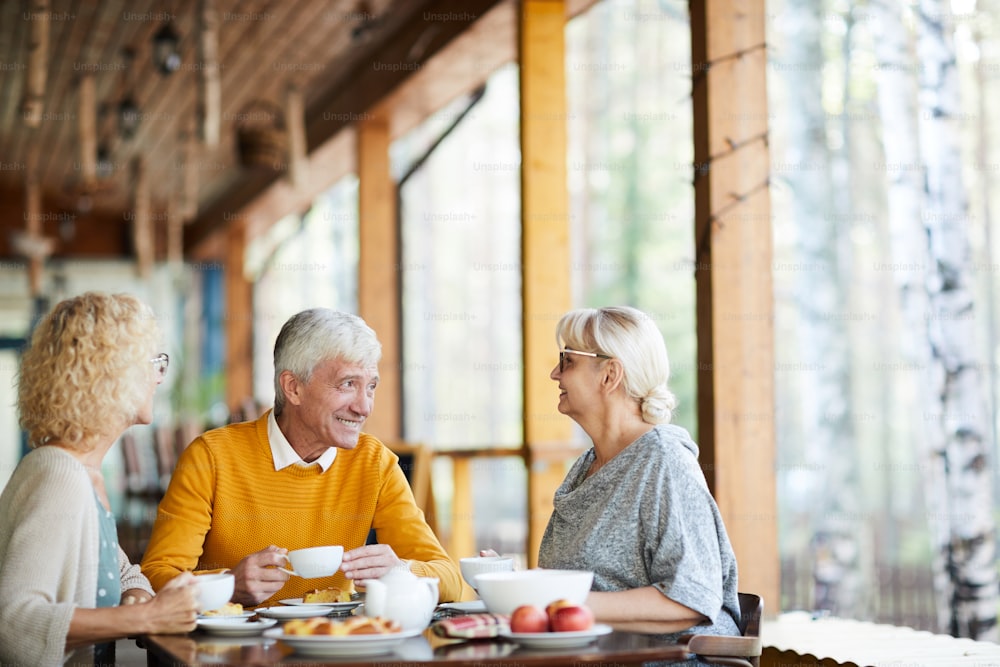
pixel 617 648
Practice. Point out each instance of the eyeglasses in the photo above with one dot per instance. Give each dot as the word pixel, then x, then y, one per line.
pixel 160 363
pixel 563 352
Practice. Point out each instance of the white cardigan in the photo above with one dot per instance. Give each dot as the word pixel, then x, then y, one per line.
pixel 49 535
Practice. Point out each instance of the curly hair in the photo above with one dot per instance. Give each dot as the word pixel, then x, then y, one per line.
pixel 87 370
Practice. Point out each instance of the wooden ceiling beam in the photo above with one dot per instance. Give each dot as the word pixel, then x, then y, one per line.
pixel 374 70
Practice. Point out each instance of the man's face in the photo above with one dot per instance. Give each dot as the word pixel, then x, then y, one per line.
pixel 334 404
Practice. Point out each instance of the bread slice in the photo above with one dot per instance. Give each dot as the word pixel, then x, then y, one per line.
pixel 228 609
pixel 332 594
pixel 354 625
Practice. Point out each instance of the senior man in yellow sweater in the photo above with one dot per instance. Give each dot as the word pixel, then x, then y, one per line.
pixel 301 475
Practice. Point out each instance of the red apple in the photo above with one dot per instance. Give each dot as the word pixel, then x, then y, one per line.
pixel 550 610
pixel 529 618
pixel 571 618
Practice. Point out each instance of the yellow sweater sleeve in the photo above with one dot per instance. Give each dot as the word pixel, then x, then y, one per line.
pixel 183 519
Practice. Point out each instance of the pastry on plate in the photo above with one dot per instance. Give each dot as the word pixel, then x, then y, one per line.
pixel 228 609
pixel 354 625
pixel 332 594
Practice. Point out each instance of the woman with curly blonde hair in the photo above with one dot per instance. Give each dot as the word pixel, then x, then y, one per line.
pixel 90 373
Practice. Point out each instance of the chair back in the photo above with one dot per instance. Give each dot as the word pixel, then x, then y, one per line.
pixel 743 650
pixel 751 611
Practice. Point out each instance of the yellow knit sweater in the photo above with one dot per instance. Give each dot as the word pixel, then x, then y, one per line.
pixel 226 501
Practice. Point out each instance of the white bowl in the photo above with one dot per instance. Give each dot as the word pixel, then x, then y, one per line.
pixel 474 566
pixel 214 590
pixel 503 592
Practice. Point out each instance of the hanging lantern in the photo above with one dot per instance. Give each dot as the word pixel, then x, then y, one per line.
pixel 128 117
pixel 166 49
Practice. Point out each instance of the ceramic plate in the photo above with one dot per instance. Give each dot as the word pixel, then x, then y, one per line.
pixel 325 646
pixel 301 611
pixel 246 614
pixel 235 627
pixel 557 639
pixel 335 606
pixel 470 607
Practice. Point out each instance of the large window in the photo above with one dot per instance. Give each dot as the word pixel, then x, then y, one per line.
pixel 630 168
pixel 304 261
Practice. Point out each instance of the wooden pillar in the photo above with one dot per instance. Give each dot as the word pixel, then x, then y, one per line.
pixel 36 77
pixel 239 320
pixel 33 233
pixel 463 530
pixel 378 274
pixel 87 130
pixel 295 121
pixel 142 221
pixel 189 172
pixel 211 80
pixel 544 249
pixel 733 274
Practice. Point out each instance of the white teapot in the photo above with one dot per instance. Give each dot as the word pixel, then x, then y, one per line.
pixel 403 597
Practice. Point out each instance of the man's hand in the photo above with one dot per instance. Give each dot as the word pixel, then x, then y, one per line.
pixel 258 576
pixel 370 561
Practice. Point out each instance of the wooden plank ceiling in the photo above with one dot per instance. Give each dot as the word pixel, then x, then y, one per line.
pixel 345 55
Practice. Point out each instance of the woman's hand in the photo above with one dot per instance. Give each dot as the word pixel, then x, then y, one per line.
pixel 488 553
pixel 175 608
pixel 135 596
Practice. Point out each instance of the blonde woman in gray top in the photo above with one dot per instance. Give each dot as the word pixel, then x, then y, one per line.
pixel 635 508
pixel 89 374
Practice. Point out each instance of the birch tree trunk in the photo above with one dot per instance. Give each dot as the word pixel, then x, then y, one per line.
pixel 959 413
pixel 908 260
pixel 825 367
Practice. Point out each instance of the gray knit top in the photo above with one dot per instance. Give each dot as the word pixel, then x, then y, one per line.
pixel 647 519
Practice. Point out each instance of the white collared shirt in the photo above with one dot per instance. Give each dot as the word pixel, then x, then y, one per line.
pixel 284 455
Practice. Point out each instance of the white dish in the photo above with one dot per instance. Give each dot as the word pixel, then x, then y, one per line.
pixel 235 626
pixel 247 613
pixel 469 607
pixel 335 606
pixel 301 611
pixel 503 592
pixel 557 639
pixel 326 646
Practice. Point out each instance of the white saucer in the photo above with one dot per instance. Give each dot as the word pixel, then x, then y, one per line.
pixel 469 607
pixel 235 626
pixel 245 614
pixel 335 606
pixel 327 646
pixel 301 611
pixel 556 639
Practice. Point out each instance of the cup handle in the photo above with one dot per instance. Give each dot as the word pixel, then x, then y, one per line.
pixel 289 561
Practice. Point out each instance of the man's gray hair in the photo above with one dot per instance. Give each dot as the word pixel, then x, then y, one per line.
pixel 317 335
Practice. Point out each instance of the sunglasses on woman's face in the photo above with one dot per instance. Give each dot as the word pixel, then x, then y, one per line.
pixel 563 352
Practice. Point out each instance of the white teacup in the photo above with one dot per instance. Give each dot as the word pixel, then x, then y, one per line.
pixel 476 565
pixel 314 561
pixel 214 590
